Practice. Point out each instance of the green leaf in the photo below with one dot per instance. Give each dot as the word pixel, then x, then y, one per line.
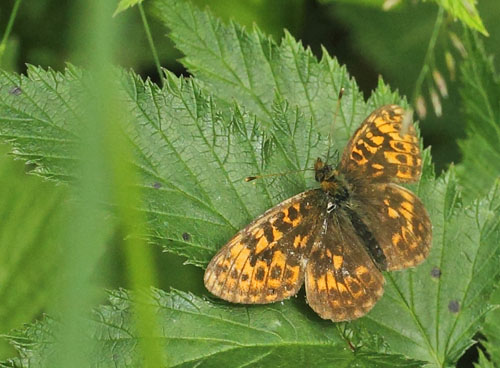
pixel 36 117
pixel 484 362
pixel 481 100
pixel 491 329
pixel 197 332
pixel 125 4
pixel 31 213
pixel 466 12
pixel 251 69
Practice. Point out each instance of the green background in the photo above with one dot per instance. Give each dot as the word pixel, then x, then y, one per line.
pixel 369 41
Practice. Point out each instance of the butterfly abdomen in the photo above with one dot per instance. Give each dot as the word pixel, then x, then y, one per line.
pixel 368 239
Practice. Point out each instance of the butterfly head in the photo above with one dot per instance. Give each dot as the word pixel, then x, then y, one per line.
pixel 328 177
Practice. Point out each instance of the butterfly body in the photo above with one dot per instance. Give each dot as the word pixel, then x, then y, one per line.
pixel 335 239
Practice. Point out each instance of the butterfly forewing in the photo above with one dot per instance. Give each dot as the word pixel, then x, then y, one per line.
pixel 381 150
pixel 342 281
pixel 264 262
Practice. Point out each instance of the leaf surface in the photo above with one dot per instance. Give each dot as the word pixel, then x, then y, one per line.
pixel 466 12
pixel 125 4
pixel 201 333
pixel 480 92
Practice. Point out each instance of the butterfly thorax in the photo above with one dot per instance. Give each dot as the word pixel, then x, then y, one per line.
pixel 340 192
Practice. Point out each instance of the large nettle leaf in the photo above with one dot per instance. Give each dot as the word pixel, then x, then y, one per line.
pixel 251 69
pixel 193 152
pixel 192 163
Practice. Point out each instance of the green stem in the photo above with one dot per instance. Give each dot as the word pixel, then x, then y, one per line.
pixel 150 41
pixel 10 24
pixel 429 55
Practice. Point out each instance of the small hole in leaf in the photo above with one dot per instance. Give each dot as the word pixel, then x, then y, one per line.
pixel 436 272
pixel 16 91
pixel 454 306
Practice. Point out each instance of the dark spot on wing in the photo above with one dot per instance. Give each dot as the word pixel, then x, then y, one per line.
pixel 268 233
pixel 356 156
pixel 276 272
pixel 354 287
pixel 259 275
pixel 401 158
pixel 292 213
pixel 288 274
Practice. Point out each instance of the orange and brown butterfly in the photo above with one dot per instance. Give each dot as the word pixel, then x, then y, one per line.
pixel 337 239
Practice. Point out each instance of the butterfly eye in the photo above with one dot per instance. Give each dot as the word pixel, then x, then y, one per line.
pixel 318 176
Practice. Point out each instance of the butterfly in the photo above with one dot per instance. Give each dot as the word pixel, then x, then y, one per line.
pixel 338 238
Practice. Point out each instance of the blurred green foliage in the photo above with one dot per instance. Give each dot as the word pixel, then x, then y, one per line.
pixel 31 216
pixel 370 41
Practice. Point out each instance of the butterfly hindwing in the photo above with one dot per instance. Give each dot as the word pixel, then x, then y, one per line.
pixel 399 222
pixel 382 149
pixel 342 282
pixel 264 262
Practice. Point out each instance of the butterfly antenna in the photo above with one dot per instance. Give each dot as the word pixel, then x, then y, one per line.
pixel 330 133
pixel 255 177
